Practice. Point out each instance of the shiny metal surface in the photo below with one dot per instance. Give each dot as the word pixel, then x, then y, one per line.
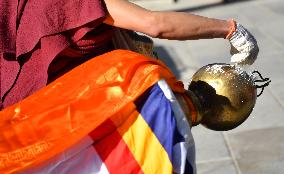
pixel 226 93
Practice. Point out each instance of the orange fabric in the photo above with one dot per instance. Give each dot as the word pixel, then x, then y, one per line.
pixel 59 115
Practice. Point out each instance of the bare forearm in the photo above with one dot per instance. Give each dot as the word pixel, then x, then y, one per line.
pixel 185 26
pixel 166 25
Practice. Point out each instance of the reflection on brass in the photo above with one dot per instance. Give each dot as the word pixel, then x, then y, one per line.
pixel 226 93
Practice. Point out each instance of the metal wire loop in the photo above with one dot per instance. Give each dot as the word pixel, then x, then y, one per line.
pixel 265 81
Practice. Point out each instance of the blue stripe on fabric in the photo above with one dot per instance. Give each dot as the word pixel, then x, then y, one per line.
pixel 157 111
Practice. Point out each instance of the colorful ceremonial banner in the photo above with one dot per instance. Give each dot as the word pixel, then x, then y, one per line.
pixel 112 114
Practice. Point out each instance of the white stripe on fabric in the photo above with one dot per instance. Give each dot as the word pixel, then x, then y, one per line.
pixel 86 162
pixel 179 157
pixel 81 158
pixel 184 149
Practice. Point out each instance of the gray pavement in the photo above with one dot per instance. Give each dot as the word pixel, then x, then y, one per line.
pixel 257 146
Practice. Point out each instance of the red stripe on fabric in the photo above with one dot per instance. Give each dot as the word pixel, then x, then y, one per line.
pixel 114 152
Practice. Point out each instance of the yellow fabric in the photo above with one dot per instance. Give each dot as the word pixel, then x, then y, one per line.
pixel 156 160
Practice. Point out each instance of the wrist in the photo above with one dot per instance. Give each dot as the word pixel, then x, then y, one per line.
pixel 224 28
pixel 232 28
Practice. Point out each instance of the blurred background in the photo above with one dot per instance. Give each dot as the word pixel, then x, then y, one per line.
pixel 257 146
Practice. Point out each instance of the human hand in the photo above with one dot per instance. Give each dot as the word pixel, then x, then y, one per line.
pixel 244 48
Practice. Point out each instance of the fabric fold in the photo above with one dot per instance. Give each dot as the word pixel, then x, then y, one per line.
pixel 36 32
pixel 36 128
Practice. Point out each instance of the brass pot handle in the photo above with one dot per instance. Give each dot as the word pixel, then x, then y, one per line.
pixel 265 82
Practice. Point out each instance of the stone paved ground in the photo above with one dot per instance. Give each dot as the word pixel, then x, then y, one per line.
pixel 257 146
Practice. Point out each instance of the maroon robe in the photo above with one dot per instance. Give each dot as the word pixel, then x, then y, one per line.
pixel 34 32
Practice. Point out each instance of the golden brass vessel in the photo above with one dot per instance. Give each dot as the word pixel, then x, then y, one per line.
pixel 226 94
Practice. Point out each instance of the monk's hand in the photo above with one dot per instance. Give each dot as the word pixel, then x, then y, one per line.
pixel 244 48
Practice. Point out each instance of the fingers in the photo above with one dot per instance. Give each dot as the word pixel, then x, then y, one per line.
pixel 243 59
pixel 246 56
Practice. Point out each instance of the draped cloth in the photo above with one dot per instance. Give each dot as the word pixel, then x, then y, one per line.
pixel 79 102
pixel 154 137
pixel 32 33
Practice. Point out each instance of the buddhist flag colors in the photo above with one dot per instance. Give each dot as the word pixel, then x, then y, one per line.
pixel 121 117
pixel 145 140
